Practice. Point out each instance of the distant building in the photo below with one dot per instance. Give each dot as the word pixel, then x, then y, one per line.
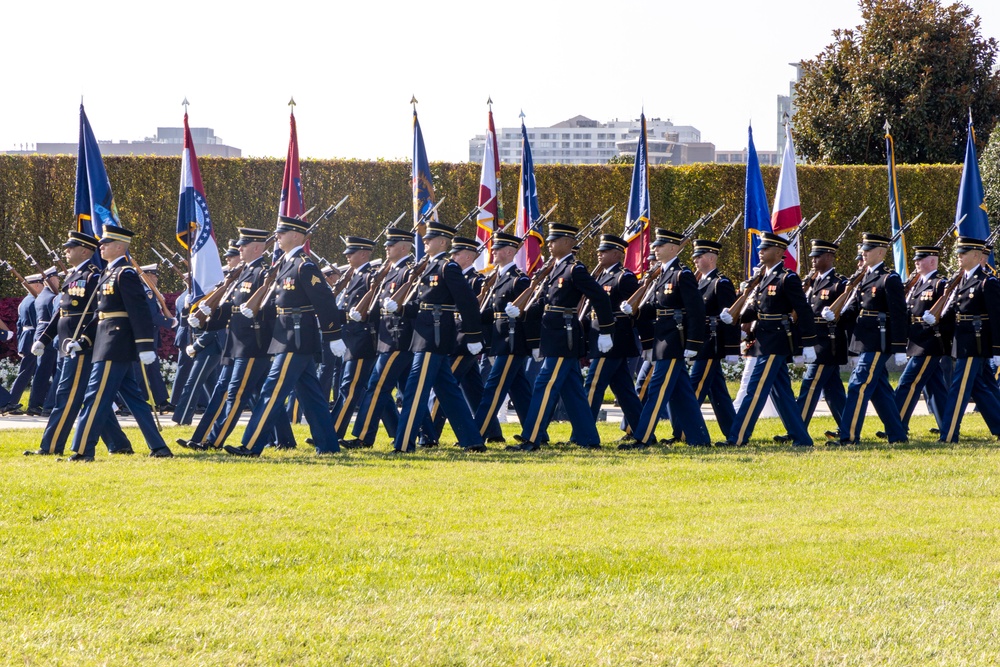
pixel 581 140
pixel 167 141
pixel 740 157
pixel 786 105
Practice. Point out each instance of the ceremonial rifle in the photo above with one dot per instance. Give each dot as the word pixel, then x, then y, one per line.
pixel 475 211
pixel 386 228
pixel 364 306
pixel 7 265
pixel 54 255
pixel 28 258
pixel 179 257
pixel 951 228
pixel 850 225
pixel 732 225
pixel 170 265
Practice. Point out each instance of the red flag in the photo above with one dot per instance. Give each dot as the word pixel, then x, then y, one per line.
pixel 787 214
pixel 291 203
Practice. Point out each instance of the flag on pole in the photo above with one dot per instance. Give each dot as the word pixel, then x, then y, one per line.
pixel 490 216
pixel 95 204
pixel 194 224
pixel 529 257
pixel 291 203
pixel 423 186
pixel 756 218
pixel 787 214
pixel 971 198
pixel 638 215
pixel 895 212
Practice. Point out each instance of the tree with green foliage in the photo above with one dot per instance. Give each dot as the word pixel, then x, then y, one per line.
pixel 989 169
pixel 916 63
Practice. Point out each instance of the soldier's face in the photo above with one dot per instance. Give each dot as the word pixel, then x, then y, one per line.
pixel 926 264
pixel 503 256
pixel 397 251
pixel 359 258
pixel 77 255
pixel 113 250
pixel 706 262
pixel 873 256
pixel 560 246
pixel 290 240
pixel 251 251
pixel 823 262
pixel 970 259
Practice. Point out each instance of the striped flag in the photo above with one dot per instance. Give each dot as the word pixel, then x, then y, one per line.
pixel 787 214
pixel 194 224
pixel 529 257
pixel 490 216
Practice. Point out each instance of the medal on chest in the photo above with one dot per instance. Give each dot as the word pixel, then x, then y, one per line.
pixel 874 289
pixel 772 290
pixel 434 281
pixel 607 289
pixel 108 288
pixel 668 288
pixel 824 295
pixel 559 283
pixel 927 295
pixel 245 286
pixel 288 284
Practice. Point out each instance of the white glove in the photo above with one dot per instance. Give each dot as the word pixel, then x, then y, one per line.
pixel 338 347
pixel 900 358
pixel 604 342
pixel 474 348
pixel 996 361
pixel 190 351
pixel 173 322
pixel 38 348
pixel 809 354
pixel 732 359
pixel 798 360
pixel 726 317
pixel 354 315
pixel 536 354
pixel 929 318
pixel 625 307
pixel 147 358
pixel 245 311
pixel 204 310
pixel 690 354
pixel 390 306
pixel 72 347
pixel 193 321
pixel 8 335
pixel 513 312
pixel 828 314
pixel 647 355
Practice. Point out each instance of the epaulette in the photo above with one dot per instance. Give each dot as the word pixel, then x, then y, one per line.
pixel 726 278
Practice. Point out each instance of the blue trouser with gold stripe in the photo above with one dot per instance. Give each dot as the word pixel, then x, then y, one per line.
pixel 669 382
pixel 428 371
pixel 377 402
pixel 194 391
pixel 465 368
pixel 215 410
pixel 972 379
pixel 613 372
pixel 708 381
pixel 290 370
pixel 25 371
pixel 922 373
pixel 769 377
pixel 870 382
pixel 507 378
pixel 560 378
pixel 70 389
pixel 247 375
pixel 352 389
pixel 108 378
pixel 822 379
pixel 44 373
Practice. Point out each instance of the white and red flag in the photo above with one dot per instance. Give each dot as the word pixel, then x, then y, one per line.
pixel 491 215
pixel 786 213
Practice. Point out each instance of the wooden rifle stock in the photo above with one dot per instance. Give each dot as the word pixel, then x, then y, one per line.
pixel 736 309
pixel 639 296
pixel 403 295
pixel 528 296
pixel 486 294
pixel 214 298
pixel 159 297
pixel 7 265
pixel 838 305
pixel 938 308
pixel 364 306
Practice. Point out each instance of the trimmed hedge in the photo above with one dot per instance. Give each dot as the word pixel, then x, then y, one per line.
pixel 36 197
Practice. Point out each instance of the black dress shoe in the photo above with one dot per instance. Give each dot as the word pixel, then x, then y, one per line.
pixel 161 453
pixel 802 444
pixel 881 434
pixel 496 441
pixel 309 441
pixel 166 408
pixel 427 444
pixel 37 452
pixel 782 439
pixel 633 445
pixel 628 437
pixel 518 437
pixel 832 435
pixel 355 443
pixel 528 446
pixel 45 413
pixel 33 412
pixel 668 441
pixel 935 431
pixel 593 445
pixel 475 448
pixel 80 458
pixel 186 444
pixel 240 451
pixel 726 443
pixel 128 451
pixel 904 441
pixel 14 408
pixel 512 448
pixel 282 445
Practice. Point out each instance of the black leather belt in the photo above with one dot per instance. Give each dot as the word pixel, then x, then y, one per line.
pixel 295 311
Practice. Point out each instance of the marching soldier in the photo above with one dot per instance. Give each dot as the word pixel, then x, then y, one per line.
pixel 879 306
pixel 561 342
pixel 612 368
pixel 392 365
pixel 770 307
pixel 119 334
pixel 971 312
pixel 69 323
pixel 508 343
pixel 926 343
pixel 722 342
pixel 47 354
pixel 822 377
pixel 440 293
pixel 159 320
pixel 676 315
pixel 27 321
pixel 305 315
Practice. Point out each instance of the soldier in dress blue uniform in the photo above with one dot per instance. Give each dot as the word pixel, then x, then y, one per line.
pixel 822 377
pixel 879 306
pixel 508 343
pixel 722 343
pixel 392 365
pixel 561 342
pixel 305 316
pixel 27 321
pixel 120 333
pixel 45 308
pixel 676 317
pixel 972 312
pixel 358 336
pixel 770 308
pixel 159 388
pixel 926 343
pixel 613 368
pixel 72 322
pixel 441 292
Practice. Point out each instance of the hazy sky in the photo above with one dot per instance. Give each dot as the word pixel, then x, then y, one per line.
pixel 353 66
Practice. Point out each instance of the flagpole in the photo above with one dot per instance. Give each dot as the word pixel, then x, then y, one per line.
pixel 190 259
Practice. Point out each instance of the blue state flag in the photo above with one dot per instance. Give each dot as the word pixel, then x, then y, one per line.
pixel 756 214
pixel 637 223
pixel 95 204
pixel 971 198
pixel 529 256
pixel 895 212
pixel 423 188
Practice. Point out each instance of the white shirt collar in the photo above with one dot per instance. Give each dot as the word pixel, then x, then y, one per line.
pixel 291 253
pixel 505 268
pixel 611 268
pixel 472 267
pixel 827 272
pixel 872 269
pixel 565 259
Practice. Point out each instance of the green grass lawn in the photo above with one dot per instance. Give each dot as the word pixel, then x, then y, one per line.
pixel 671 556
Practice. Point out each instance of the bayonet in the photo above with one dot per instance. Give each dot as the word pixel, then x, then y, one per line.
pixel 732 225
pixel 28 258
pixel 851 225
